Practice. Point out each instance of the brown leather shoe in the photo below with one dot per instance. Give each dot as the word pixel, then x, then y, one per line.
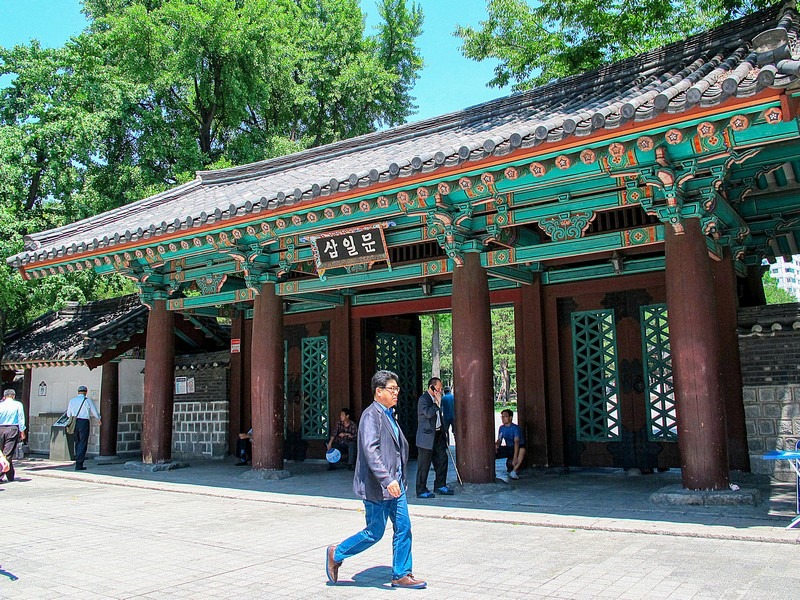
pixel 409 581
pixel 331 566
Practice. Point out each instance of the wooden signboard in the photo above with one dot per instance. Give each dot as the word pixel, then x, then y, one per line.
pixel 354 246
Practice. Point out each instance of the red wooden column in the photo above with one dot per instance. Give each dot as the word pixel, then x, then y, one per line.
pixel 266 380
pixel 531 378
pixel 472 371
pixel 109 408
pixel 159 371
pixel 702 435
pixel 730 374
pixel 27 385
pixel 235 425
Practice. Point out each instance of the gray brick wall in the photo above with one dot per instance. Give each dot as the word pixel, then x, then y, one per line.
pixel 769 346
pixel 129 430
pixel 39 434
pixel 200 430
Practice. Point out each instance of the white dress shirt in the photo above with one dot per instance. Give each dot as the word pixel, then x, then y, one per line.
pixel 74 408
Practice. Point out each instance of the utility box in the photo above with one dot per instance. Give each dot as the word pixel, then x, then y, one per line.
pixel 62 445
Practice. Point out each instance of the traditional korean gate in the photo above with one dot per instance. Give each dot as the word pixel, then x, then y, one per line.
pixel 315 388
pixel 398 353
pixel 624 409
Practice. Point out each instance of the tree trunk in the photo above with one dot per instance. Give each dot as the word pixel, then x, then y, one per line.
pixel 436 347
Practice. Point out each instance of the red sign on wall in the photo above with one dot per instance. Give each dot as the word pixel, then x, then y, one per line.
pixel 236 345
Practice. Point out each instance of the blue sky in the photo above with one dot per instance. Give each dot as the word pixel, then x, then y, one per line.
pixel 448 82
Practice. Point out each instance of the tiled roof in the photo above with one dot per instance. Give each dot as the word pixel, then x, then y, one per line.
pixel 78 333
pixel 704 70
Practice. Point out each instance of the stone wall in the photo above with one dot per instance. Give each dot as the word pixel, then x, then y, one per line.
pixel 129 430
pixel 201 414
pixel 769 345
pixel 39 434
pixel 200 430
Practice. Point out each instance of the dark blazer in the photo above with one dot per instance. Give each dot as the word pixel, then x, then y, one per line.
pixel 381 456
pixel 426 421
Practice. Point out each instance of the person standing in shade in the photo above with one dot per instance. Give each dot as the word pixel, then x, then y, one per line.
pixel 431 442
pixel 448 412
pixel 380 481
pixel 82 408
pixel 12 429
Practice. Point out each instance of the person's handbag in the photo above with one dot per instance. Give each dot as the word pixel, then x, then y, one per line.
pixel 73 421
pixel 70 426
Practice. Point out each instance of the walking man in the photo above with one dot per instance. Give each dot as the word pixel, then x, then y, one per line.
pixel 12 429
pixel 431 442
pixel 380 481
pixel 82 408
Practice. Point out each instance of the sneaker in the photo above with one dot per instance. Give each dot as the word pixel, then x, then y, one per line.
pixel 513 475
pixel 445 491
pixel 426 496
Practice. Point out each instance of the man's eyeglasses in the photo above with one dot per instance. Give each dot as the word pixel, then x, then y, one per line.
pixel 392 389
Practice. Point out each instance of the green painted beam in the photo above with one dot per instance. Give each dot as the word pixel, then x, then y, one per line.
pixel 513 274
pixel 585 273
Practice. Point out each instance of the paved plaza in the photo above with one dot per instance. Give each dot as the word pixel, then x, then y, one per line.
pixel 210 531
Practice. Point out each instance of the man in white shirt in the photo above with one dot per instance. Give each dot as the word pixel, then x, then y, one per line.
pixel 82 408
pixel 12 428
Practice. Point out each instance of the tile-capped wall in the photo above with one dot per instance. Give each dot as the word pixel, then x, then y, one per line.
pixel 769 347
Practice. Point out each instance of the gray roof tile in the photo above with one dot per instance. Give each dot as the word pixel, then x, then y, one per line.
pixel 703 70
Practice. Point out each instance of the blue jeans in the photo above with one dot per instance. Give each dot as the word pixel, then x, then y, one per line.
pixel 377 514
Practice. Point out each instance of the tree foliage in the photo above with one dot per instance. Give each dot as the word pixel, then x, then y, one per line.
pixel 155 90
pixel 775 294
pixel 503 346
pixel 538 42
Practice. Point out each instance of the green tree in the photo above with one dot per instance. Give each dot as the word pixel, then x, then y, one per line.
pixel 775 294
pixel 157 89
pixel 540 42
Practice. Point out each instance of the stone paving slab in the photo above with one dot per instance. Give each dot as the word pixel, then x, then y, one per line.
pixel 103 536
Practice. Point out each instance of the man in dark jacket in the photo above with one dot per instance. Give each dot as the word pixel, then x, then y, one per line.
pixel 380 481
pixel 431 442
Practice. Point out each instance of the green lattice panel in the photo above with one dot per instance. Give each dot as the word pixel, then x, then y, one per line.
pixel 315 388
pixel 661 414
pixel 398 353
pixel 594 348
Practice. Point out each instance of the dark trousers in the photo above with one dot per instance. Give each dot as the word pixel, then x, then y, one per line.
pixel 438 456
pixel 347 447
pixel 81 440
pixel 9 436
pixel 244 450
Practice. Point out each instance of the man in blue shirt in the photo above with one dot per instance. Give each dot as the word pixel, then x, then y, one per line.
pixel 12 428
pixel 380 481
pixel 510 444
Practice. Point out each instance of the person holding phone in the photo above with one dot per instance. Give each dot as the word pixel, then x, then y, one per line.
pixel 431 442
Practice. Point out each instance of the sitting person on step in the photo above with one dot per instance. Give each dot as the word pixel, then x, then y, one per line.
pixel 344 438
pixel 510 444
pixel 244 450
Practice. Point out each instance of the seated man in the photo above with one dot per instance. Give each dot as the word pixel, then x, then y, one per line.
pixel 344 438
pixel 510 444
pixel 244 447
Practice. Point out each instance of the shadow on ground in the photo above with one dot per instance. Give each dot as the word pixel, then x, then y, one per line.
pixel 585 493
